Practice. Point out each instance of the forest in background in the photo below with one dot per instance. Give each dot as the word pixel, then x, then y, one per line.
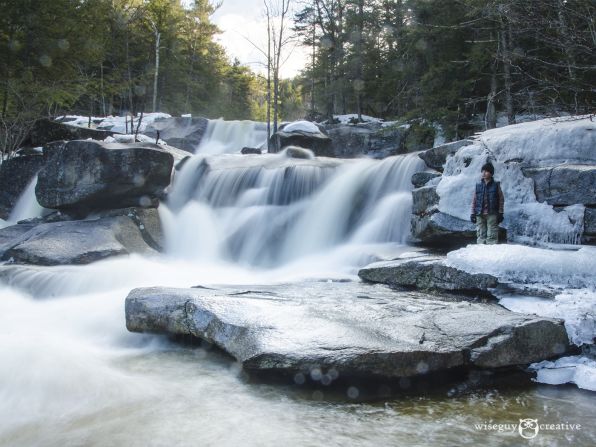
pixel 453 62
pixel 449 61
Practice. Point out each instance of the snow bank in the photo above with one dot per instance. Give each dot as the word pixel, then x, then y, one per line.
pixel 113 123
pixel 540 143
pixel 301 126
pixel 575 369
pixel 522 264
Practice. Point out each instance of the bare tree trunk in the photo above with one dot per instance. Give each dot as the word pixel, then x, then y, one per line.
pixel 490 120
pixel 359 81
pixel 268 77
pixel 103 97
pixel 156 74
pixel 507 77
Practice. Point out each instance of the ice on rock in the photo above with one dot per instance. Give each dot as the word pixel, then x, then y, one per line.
pixel 523 264
pixel 580 370
pixel 537 143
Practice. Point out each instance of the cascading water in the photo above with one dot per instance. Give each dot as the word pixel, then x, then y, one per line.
pixel 270 209
pixel 228 137
pixel 27 206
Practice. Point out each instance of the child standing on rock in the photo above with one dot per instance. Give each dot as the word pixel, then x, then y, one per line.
pixel 487 206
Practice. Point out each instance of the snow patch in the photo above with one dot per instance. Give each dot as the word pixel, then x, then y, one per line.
pixel 301 126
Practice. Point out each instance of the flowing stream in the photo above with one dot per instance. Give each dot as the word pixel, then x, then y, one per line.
pixel 71 374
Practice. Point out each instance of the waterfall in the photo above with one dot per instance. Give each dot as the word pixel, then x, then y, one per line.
pixel 27 206
pixel 228 137
pixel 270 209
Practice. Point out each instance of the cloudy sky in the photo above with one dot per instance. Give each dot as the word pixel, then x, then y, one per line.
pixel 244 20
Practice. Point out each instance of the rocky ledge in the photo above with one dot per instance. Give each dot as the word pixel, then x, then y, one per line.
pixel 361 331
pixel 428 273
pixel 63 241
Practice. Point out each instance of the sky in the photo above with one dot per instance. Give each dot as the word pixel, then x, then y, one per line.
pixel 244 20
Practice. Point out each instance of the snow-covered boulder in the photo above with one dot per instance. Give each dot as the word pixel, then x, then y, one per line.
pixel 91 175
pixel 45 131
pixel 302 134
pixel 547 171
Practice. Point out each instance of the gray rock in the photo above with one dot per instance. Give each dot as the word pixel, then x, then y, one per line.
pixel 298 152
pixel 349 141
pixel 92 175
pixel 359 331
pixel 250 150
pixel 424 199
pixel 184 133
pixel 436 157
pixel 564 184
pixel 82 241
pixel 427 273
pixel 589 236
pixel 46 131
pixel 319 143
pixel 420 179
pixel 15 175
pixel 440 229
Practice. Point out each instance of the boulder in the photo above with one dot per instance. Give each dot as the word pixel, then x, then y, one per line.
pixel 15 175
pixel 428 273
pixel 349 141
pixel 318 142
pixel 184 133
pixel 92 175
pixel 82 241
pixel 442 230
pixel 565 184
pixel 250 150
pixel 353 331
pixel 424 199
pixel 419 179
pixel 436 157
pixel 589 236
pixel 45 131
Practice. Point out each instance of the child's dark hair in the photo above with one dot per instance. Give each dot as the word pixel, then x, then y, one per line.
pixel 488 167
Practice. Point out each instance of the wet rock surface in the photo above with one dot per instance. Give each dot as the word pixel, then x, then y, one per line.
pixel 119 232
pixel 350 330
pixel 427 273
pixel 92 175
